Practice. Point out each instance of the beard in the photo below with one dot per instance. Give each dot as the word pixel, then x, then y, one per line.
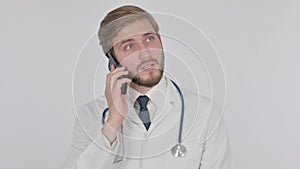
pixel 153 80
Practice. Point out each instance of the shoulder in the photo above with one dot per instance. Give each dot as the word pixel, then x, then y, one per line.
pixel 96 104
pixel 193 101
pixel 202 107
pixel 203 114
pixel 196 99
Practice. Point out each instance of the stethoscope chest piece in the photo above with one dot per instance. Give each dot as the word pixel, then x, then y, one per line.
pixel 178 150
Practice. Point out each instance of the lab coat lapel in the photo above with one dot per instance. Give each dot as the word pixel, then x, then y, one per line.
pixel 163 132
pixel 133 121
pixel 169 109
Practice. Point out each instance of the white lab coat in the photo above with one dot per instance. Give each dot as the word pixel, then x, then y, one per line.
pixel 204 137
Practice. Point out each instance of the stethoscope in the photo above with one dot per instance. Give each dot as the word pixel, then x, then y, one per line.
pixel 178 150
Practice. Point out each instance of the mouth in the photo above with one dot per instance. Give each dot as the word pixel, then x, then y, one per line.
pixel 149 66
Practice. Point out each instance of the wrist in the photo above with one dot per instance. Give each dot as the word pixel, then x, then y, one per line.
pixel 109 132
pixel 115 118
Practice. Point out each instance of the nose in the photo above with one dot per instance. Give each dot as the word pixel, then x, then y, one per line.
pixel 144 51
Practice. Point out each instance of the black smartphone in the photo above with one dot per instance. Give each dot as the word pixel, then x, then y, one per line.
pixel 113 61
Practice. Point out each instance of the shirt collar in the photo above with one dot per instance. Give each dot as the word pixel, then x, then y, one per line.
pixel 156 94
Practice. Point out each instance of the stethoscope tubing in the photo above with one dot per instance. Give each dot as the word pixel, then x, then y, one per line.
pixel 182 112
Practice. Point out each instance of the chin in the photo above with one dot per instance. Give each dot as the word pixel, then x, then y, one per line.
pixel 148 79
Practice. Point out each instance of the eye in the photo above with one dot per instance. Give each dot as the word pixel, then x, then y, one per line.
pixel 149 38
pixel 128 47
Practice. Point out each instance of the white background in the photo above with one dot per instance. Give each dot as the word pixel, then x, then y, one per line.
pixel 258 42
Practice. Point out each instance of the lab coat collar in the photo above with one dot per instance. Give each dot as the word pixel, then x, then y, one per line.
pixel 164 96
pixel 156 94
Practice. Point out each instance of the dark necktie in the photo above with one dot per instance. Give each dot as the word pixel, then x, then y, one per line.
pixel 144 113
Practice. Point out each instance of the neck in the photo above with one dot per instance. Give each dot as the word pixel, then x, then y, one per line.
pixel 140 89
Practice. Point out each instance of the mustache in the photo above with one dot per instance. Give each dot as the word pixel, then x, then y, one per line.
pixel 146 61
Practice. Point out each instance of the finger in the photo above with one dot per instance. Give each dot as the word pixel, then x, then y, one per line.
pixel 113 67
pixel 113 71
pixel 113 78
pixel 117 69
pixel 119 82
pixel 118 75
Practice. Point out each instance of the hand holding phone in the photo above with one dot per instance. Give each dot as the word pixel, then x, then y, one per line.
pixel 116 99
pixel 113 61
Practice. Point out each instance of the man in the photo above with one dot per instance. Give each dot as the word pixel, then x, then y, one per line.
pixel 139 128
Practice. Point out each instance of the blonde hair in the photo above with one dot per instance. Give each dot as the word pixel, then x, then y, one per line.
pixel 116 19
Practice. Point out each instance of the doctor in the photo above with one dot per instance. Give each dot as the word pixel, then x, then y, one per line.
pixel 136 127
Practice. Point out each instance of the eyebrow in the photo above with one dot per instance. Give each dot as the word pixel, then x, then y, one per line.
pixel 129 40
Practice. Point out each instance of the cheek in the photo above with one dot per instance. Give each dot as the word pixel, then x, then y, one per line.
pixel 157 45
pixel 158 55
pixel 125 60
pixel 130 63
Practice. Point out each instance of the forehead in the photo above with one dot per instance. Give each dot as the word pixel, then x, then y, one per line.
pixel 133 29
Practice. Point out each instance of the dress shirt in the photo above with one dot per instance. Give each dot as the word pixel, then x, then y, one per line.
pixel 156 95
